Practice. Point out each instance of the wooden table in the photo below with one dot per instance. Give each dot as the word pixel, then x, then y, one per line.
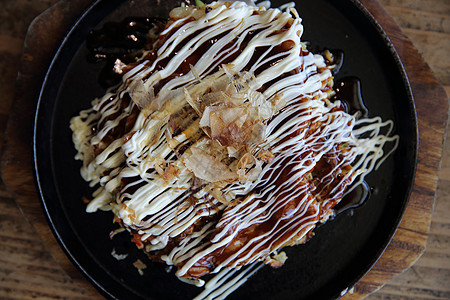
pixel 28 270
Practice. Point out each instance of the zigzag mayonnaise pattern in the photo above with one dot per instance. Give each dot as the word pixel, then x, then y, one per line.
pixel 145 142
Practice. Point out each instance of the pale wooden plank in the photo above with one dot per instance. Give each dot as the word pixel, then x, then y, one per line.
pixel 434 260
pixel 438 228
pixel 404 292
pixel 433 6
pixel 442 204
pixel 40 281
pixel 438 244
pixel 444 173
pixel 434 46
pixel 37 269
pixel 34 269
pixel 418 277
pixel 15 289
pixel 28 256
pixel 386 296
pixel 420 20
pixel 27 271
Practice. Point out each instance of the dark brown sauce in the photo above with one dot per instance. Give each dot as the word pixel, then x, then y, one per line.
pixel 353 199
pixel 338 60
pixel 122 40
pixel 348 90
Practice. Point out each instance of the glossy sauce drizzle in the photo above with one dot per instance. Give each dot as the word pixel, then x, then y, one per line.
pixel 348 90
pixel 124 40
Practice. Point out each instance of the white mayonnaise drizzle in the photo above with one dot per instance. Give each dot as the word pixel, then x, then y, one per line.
pixel 130 170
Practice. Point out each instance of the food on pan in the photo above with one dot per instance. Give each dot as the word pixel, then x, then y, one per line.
pixel 222 145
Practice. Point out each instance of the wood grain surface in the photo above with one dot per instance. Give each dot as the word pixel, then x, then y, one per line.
pixel 29 271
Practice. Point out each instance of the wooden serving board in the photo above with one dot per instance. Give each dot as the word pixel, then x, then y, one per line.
pixel 43 38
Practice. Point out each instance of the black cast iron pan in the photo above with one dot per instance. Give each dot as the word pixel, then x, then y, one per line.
pixel 343 249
